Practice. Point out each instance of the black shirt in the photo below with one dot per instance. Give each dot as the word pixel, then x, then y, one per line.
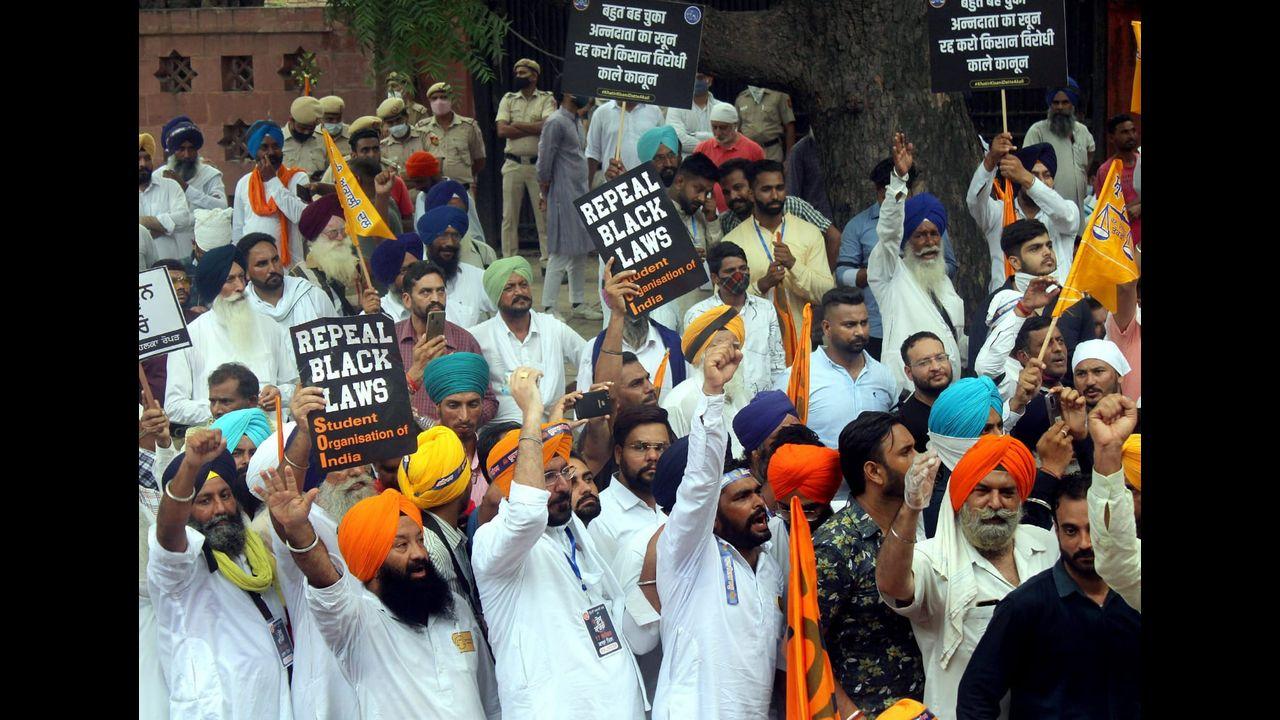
pixel 915 415
pixel 1058 654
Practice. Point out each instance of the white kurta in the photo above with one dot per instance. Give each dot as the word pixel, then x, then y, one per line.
pixel 302 302
pixel 647 642
pixel 1061 217
pixel 1117 550
pixel 466 303
pixel 319 688
pixel 692 126
pixel 764 361
pixel 718 659
pixel 163 199
pixel 244 220
pixel 547 664
pixel 548 346
pixel 684 399
pixel 442 671
pixel 217 648
pixel 186 393
pixel 622 515
pixel 905 307
pixel 205 191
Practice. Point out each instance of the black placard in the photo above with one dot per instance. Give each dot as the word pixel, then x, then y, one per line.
pixel 992 44
pixel 638 50
pixel 633 220
pixel 356 362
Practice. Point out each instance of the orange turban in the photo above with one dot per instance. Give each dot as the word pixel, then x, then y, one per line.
pixel 811 471
pixel 990 451
pixel 557 439
pixel 368 530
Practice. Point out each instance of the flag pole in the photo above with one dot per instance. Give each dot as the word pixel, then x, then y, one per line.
pixel 1004 111
pixel 146 388
pixel 1048 337
pixel 363 268
pixel 622 122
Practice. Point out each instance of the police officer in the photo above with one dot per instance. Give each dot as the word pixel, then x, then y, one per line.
pixel 767 118
pixel 454 139
pixel 304 148
pixel 520 116
pixel 400 86
pixel 401 139
pixel 332 106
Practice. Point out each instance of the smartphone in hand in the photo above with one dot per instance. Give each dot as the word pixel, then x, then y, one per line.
pixel 435 324
pixel 593 404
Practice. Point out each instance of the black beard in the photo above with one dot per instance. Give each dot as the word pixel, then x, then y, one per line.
pixel 224 533
pixel 741 208
pixel 368 166
pixel 668 176
pixel 186 169
pixel 637 483
pixel 144 177
pixel 587 510
pixel 742 537
pixel 1073 561
pixel 770 209
pixel 450 267
pixel 1061 124
pixel 414 602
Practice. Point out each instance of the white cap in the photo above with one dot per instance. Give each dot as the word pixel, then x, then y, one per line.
pixel 266 456
pixel 1104 350
pixel 212 228
pixel 724 112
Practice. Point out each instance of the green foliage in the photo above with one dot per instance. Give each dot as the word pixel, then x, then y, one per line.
pixel 419 37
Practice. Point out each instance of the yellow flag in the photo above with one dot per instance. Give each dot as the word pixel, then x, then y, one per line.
pixel 362 217
pixel 810 682
pixel 1135 101
pixel 798 385
pixel 1105 256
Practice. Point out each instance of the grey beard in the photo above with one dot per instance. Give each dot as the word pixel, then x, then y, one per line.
pixel 337 499
pixel 987 539
pixel 240 323
pixel 227 537
pixel 931 275
pixel 635 330
pixel 1061 125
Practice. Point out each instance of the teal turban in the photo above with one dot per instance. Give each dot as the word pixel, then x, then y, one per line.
pixel 238 423
pixel 961 410
pixel 455 373
pixel 495 276
pixel 647 145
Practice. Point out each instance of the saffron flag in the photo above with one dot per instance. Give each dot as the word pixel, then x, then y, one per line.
pixel 1006 200
pixel 810 682
pixel 1135 101
pixel 798 385
pixel 362 217
pixel 1105 256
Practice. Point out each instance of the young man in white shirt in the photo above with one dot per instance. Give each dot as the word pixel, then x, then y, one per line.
pixel 557 617
pixel 518 336
pixel 640 435
pixel 288 300
pixel 162 206
pixel 722 620
pixel 949 584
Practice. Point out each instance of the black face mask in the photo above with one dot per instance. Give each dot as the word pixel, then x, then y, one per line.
pixel 520 83
pixel 299 136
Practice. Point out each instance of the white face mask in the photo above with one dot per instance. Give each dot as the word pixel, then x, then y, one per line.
pixel 399 131
pixel 333 128
pixel 393 94
pixel 441 106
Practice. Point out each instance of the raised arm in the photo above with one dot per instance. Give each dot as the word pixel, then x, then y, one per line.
pixel 1055 211
pixel 290 516
pixel 894 576
pixel 1117 550
pixel 171 517
pixel 885 259
pixel 618 290
pixel 214 197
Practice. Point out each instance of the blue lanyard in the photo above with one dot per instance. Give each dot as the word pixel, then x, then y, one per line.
pixel 573 558
pixel 726 571
pixel 782 233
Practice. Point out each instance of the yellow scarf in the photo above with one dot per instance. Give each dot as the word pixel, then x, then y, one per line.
pixel 261 562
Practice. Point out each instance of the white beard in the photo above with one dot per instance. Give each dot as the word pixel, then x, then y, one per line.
pixel 735 388
pixel 335 258
pixel 930 275
pixel 241 323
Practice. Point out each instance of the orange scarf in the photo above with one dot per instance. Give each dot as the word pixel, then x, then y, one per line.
pixel 798 385
pixel 1006 197
pixel 264 206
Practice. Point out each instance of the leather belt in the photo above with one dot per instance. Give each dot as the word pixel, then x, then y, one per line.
pixel 771 143
pixel 522 161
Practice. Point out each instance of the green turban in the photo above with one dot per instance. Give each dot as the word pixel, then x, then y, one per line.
pixel 455 373
pixel 495 276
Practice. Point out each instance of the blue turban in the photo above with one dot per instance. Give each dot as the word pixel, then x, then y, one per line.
pixel 238 423
pixel 761 417
pixel 213 270
pixel 442 192
pixel 179 130
pixel 1040 152
pixel 259 130
pixel 224 466
pixel 435 221
pixel 647 145
pixel 962 409
pixel 388 257
pixel 455 373
pixel 1072 89
pixel 924 206
pixel 669 473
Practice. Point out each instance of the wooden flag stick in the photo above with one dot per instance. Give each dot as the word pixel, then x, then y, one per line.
pixel 146 389
pixel 363 268
pixel 1047 338
pixel 1004 111
pixel 622 122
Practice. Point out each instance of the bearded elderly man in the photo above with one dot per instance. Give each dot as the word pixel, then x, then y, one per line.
pixel 288 300
pixel 1071 140
pixel 716 327
pixel 948 585
pixel 458 386
pixel 475 250
pixel 331 262
pixel 442 230
pixel 404 641
pixel 230 332
pixel 223 640
pixel 266 198
pixel 201 183
pixel 543 583
pixel 906 270
pixel 162 208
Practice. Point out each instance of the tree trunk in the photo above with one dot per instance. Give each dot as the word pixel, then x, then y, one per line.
pixel 861 70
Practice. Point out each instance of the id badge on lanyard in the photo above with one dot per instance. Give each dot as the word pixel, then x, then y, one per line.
pixel 726 571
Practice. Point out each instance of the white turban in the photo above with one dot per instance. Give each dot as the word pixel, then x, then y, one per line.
pixel 1103 350
pixel 212 228
pixel 265 457
pixel 724 112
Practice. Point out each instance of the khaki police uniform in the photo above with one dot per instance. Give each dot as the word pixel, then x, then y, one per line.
pixel 309 155
pixel 457 147
pixel 519 173
pixel 343 140
pixel 398 151
pixel 764 121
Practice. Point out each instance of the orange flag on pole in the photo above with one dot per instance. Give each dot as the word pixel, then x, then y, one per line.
pixel 362 218
pixel 810 682
pixel 1006 200
pixel 1105 256
pixel 798 385
pixel 1135 100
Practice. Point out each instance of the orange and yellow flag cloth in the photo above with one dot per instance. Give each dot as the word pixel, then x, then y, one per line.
pixel 798 385
pixel 1135 101
pixel 362 217
pixel 810 682
pixel 1006 201
pixel 1105 256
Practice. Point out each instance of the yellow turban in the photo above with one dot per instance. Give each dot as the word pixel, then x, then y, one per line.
pixel 438 471
pixel 368 531
pixel 1132 460
pixel 147 144
pixel 906 709
pixel 557 439
pixel 703 327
